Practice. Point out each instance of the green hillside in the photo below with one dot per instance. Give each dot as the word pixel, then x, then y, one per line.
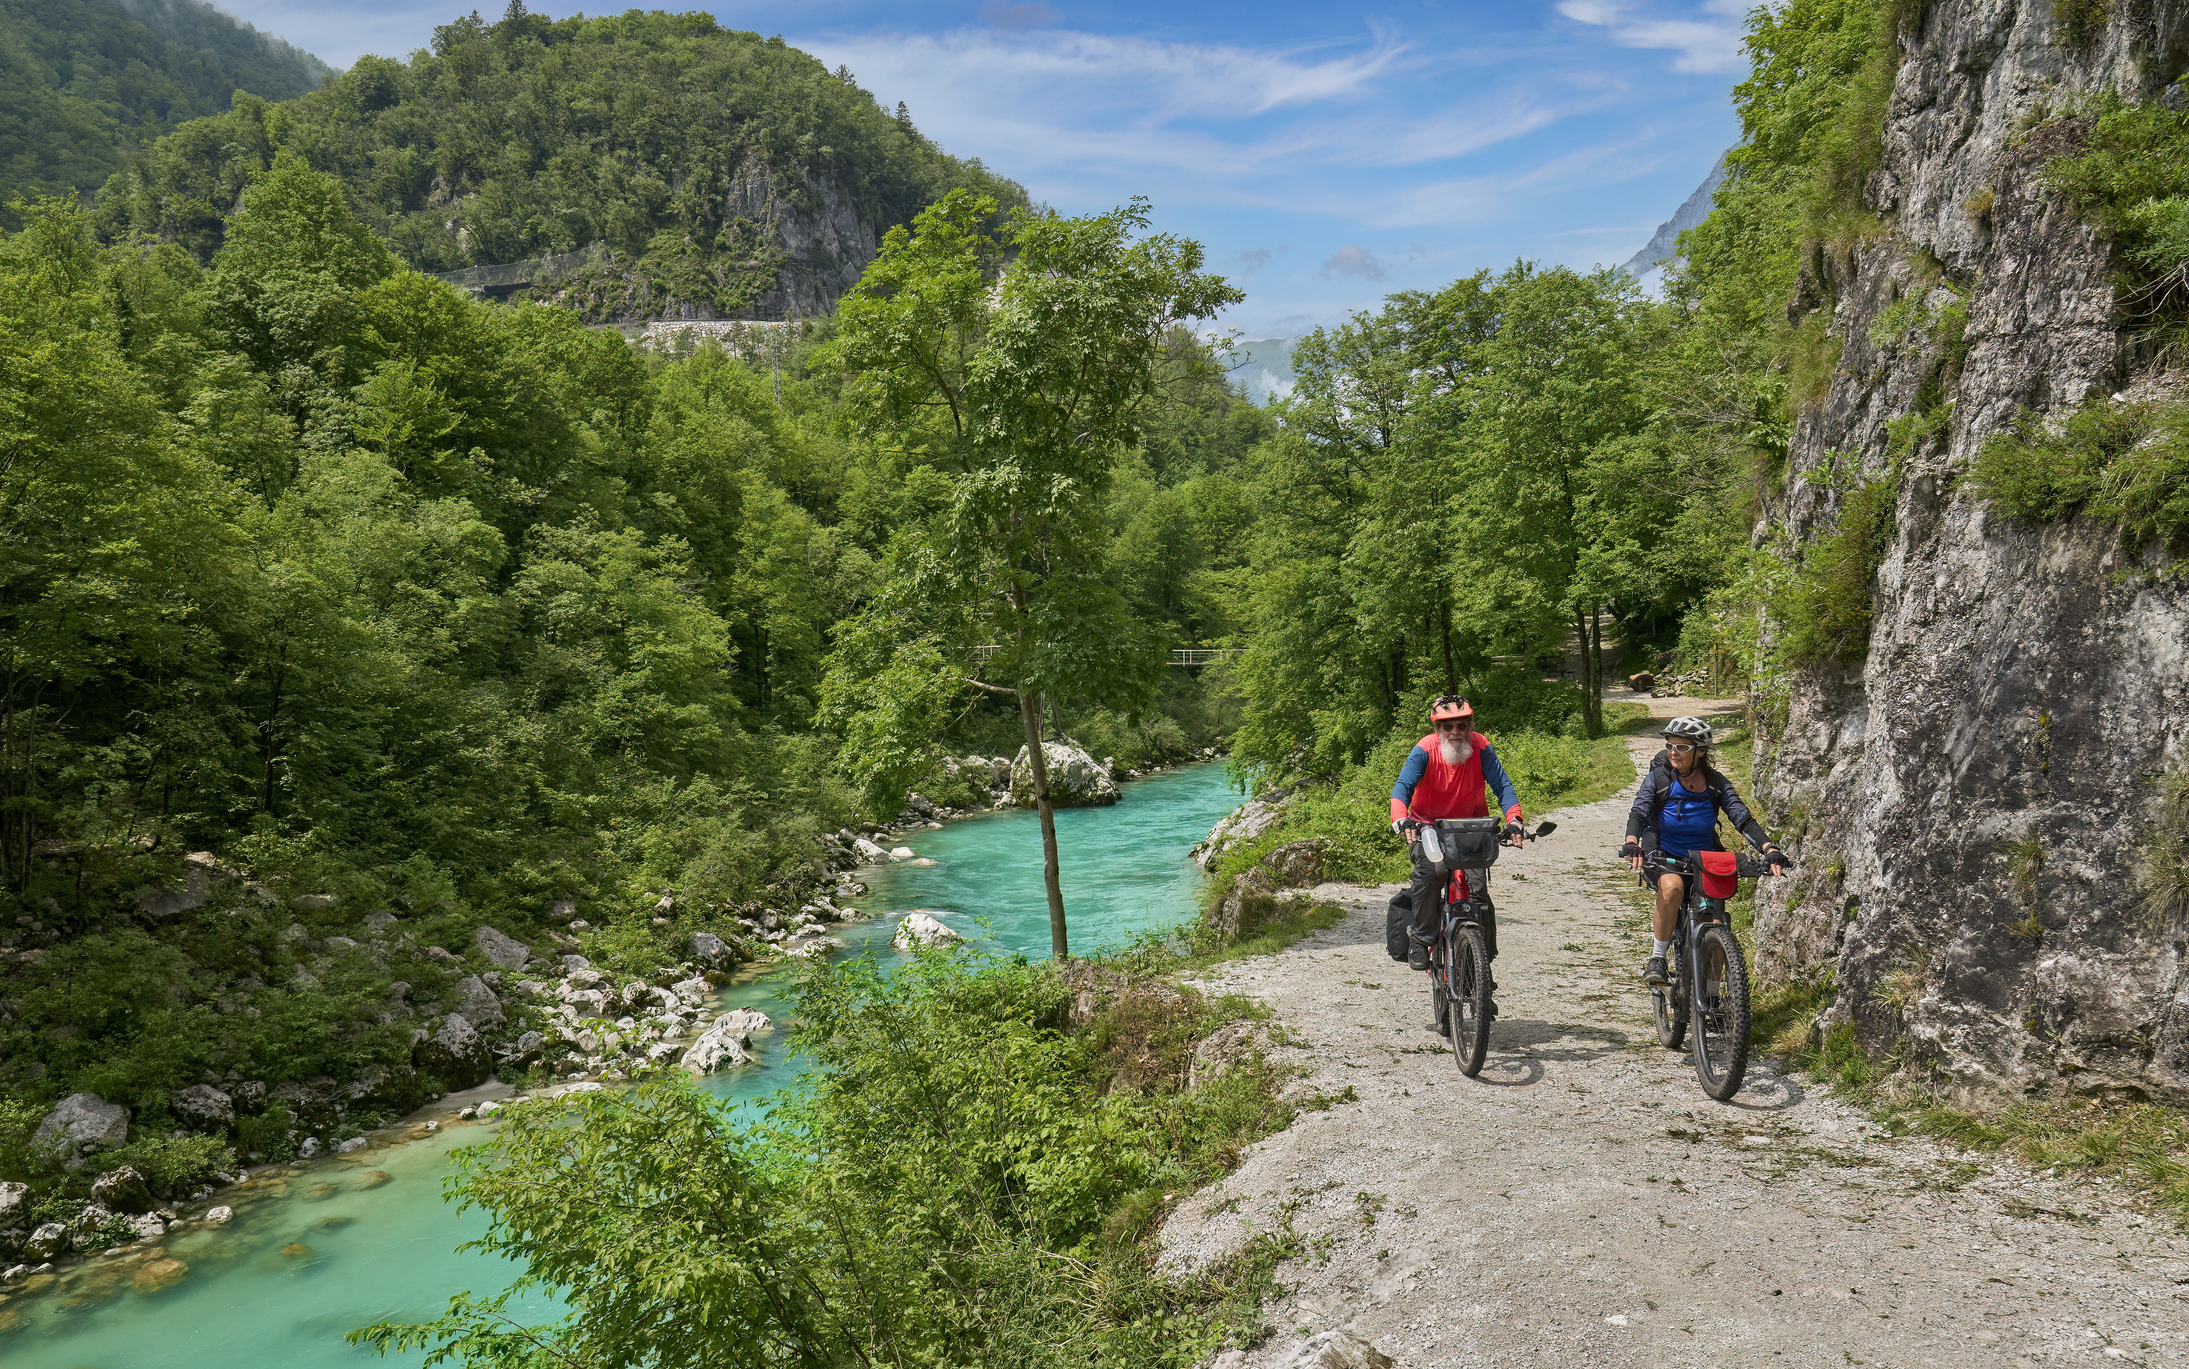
pixel 718 172
pixel 82 81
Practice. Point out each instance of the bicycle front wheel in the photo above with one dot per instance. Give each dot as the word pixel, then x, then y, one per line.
pixel 1467 1003
pixel 1721 1011
pixel 1671 1015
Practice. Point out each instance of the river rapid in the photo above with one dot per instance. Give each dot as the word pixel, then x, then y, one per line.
pixel 341 1243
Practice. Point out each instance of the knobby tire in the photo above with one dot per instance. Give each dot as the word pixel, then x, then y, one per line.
pixel 1721 1011
pixel 1671 1003
pixel 1468 999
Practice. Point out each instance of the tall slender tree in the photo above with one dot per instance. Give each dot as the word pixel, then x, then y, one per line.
pixel 1017 363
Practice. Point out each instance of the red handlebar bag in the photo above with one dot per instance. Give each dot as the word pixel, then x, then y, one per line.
pixel 1718 868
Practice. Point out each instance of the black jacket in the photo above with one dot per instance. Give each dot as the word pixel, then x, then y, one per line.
pixel 1656 786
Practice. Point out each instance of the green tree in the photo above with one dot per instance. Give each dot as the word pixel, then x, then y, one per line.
pixel 1022 388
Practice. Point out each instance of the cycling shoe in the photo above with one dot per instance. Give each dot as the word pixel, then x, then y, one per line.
pixel 1654 973
pixel 1417 957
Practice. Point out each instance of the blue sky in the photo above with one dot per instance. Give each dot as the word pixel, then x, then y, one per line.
pixel 1324 159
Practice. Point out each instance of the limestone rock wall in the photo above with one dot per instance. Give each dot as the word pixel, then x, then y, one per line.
pixel 2018 687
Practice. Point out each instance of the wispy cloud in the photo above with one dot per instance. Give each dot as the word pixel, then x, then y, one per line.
pixel 1710 40
pixel 1357 262
pixel 1252 259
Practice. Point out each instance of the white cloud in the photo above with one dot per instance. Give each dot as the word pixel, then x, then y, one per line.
pixel 1709 42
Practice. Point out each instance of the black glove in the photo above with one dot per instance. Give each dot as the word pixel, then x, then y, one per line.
pixel 1632 849
pixel 1513 832
pixel 1777 857
pixel 1406 827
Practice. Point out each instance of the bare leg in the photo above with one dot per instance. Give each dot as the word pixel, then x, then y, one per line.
pixel 1671 892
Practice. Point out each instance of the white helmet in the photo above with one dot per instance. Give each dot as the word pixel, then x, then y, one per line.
pixel 1693 729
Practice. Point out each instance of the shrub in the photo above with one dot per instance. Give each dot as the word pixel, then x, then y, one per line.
pixel 174 1164
pixel 1827 610
pixel 2126 463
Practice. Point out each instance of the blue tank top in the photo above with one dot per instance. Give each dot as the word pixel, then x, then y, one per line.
pixel 1688 822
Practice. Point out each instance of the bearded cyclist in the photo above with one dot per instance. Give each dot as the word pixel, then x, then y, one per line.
pixel 1675 811
pixel 1444 777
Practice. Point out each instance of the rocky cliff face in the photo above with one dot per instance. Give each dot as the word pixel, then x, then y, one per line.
pixel 1971 800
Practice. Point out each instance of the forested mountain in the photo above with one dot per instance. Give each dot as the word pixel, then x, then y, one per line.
pixel 718 174
pixel 82 82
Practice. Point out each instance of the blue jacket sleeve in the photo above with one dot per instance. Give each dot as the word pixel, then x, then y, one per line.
pixel 1417 764
pixel 1493 770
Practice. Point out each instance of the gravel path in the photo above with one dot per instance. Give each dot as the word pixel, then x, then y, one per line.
pixel 1582 1203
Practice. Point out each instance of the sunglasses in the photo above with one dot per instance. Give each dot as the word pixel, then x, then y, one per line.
pixel 1679 748
pixel 1452 725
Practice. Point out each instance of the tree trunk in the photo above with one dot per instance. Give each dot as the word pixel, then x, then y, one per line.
pixel 1596 667
pixel 1451 675
pixel 1029 711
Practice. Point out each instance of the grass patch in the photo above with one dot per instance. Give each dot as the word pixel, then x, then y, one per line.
pixel 1827 614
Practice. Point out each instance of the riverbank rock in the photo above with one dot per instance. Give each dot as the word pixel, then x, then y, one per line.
pixel 14 1204
pixel 712 951
pixel 919 929
pixel 201 1107
pixel 82 1125
pixel 476 1003
pixel 1252 898
pixel 1244 823
pixel 869 853
pixel 723 1045
pixel 1076 779
pixel 122 1190
pixel 455 1052
pixel 745 1020
pixel 48 1242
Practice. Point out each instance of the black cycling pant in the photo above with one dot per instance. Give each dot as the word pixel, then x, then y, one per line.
pixel 1429 882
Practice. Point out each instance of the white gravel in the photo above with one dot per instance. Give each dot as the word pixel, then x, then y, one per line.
pixel 1582 1203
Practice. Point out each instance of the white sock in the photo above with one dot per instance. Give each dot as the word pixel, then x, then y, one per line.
pixel 1659 947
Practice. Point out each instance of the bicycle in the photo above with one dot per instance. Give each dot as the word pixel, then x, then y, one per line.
pixel 1459 959
pixel 1709 973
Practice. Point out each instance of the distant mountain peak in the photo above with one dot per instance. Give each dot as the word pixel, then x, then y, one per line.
pixel 1664 244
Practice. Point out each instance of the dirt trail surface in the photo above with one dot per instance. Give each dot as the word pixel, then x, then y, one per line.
pixel 1582 1203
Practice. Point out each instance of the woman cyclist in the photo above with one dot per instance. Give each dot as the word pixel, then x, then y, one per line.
pixel 1675 811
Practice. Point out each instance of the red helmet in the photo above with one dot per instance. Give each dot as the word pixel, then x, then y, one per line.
pixel 1449 707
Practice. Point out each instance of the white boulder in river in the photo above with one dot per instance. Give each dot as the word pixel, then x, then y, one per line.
pixel 1076 779
pixel 723 1045
pixel 919 929
pixel 869 853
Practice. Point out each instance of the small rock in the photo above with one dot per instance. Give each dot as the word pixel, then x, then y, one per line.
pixel 1337 1350
pixel 869 853
pixel 919 929
pixel 48 1242
pixel 220 1216
pixel 489 1108
pixel 82 1124
pixel 373 1178
pixel 315 903
pixel 201 1107
pixel 500 948
pixel 354 1143
pixel 309 1149
pixel 476 1003
pixel 154 1275
pixel 149 1226
pixel 745 1020
pixel 901 853
pixel 721 1046
pixel 574 963
pixel 709 949
pixel 14 1203
pixel 122 1190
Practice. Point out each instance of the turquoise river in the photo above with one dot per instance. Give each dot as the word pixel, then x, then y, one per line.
pixel 342 1243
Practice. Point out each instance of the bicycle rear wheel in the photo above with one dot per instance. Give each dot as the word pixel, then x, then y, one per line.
pixel 1721 1011
pixel 1468 997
